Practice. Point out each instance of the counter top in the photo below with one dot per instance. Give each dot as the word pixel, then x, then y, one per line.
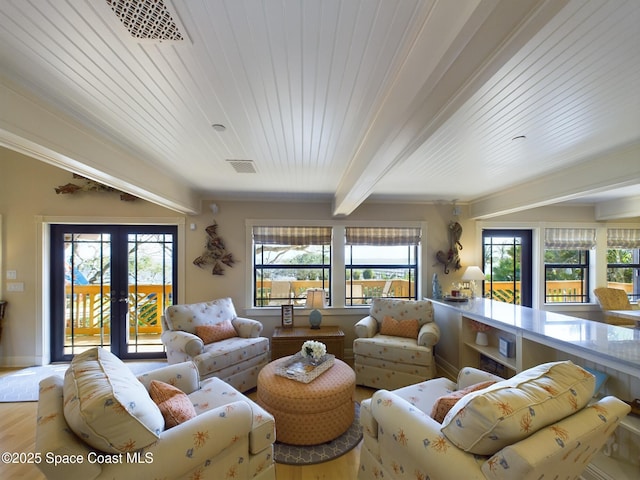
pixel 617 347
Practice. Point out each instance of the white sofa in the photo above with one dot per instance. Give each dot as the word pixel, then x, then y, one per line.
pixel 383 359
pixel 237 360
pixel 531 426
pixel 101 404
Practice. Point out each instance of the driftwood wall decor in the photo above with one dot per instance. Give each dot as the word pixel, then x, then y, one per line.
pixel 451 257
pixel 214 253
pixel 91 186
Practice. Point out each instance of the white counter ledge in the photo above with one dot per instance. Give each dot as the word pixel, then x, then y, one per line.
pixel 609 345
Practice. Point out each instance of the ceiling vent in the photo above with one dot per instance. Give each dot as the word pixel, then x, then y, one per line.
pixel 147 20
pixel 243 166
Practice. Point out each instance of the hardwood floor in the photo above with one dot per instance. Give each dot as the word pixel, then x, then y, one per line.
pixel 17 434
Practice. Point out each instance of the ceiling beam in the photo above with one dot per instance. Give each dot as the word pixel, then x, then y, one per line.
pixel 32 128
pixel 446 78
pixel 617 209
pixel 609 171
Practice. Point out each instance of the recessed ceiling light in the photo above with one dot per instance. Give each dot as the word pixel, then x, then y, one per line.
pixel 519 137
pixel 218 127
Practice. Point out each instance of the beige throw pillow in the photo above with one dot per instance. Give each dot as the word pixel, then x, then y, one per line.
pixel 511 410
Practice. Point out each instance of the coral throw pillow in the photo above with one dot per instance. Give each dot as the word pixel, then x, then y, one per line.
pixel 217 332
pixel 403 328
pixel 173 403
pixel 446 402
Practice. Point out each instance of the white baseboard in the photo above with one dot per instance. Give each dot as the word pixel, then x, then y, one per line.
pixel 12 362
pixel 446 369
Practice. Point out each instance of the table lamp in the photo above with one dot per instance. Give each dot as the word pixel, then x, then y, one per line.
pixel 471 274
pixel 315 300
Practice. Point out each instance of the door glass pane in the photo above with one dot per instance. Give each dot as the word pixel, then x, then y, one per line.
pixel 502 262
pixel 150 274
pixel 87 312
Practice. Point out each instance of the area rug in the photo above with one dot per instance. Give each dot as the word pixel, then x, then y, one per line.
pixel 308 455
pixel 22 385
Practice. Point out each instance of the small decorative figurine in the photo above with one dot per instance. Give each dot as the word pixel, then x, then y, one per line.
pixel 437 290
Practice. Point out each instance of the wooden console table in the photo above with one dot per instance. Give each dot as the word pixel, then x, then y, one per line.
pixel 288 341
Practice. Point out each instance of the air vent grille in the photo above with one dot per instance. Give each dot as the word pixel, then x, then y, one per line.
pixel 147 19
pixel 243 166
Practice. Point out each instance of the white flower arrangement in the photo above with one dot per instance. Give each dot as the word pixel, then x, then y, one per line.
pixel 313 349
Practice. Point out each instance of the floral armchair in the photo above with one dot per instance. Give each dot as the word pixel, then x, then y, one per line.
pixel 394 344
pixel 101 423
pixel 220 343
pixel 538 424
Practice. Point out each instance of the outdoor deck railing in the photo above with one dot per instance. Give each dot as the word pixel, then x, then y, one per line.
pixel 88 308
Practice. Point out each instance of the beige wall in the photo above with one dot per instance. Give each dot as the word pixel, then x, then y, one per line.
pixel 27 197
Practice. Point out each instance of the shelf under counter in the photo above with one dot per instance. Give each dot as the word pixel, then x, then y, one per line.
pixel 493 354
pixel 608 345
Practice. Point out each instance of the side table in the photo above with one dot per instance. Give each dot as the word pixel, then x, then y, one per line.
pixel 288 341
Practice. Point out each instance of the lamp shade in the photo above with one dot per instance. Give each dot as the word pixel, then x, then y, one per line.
pixel 315 298
pixel 473 273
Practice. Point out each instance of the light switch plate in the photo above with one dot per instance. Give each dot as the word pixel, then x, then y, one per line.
pixel 12 274
pixel 15 286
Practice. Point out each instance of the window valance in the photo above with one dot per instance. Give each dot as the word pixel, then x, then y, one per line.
pixel 623 237
pixel 569 238
pixel 382 236
pixel 285 235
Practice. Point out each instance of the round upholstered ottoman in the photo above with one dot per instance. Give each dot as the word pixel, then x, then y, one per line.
pixel 308 413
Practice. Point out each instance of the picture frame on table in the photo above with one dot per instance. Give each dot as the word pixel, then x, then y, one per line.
pixel 287 316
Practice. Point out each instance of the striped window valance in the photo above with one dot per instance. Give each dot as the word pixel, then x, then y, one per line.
pixel 569 238
pixel 623 238
pixel 283 235
pixel 381 236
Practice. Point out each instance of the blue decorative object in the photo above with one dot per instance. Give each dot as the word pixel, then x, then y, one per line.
pixel 315 319
pixel 437 290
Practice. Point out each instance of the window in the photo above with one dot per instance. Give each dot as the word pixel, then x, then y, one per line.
pixel 288 261
pixel 566 264
pixel 507 260
pixel 623 260
pixel 380 262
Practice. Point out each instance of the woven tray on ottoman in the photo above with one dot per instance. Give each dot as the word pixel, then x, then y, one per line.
pixel 308 413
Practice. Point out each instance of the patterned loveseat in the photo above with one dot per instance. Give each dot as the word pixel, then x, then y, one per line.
pixel 220 343
pixel 394 344
pixel 537 424
pixel 101 422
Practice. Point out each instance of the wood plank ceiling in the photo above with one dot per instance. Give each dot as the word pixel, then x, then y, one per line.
pixel 343 100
